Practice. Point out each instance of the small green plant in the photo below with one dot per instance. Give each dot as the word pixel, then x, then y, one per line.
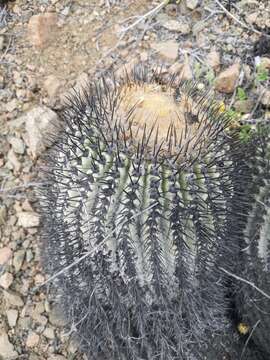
pixel 210 76
pixel 261 73
pixel 245 133
pixel 241 94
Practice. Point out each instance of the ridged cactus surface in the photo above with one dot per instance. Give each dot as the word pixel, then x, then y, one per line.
pixel 135 218
pixel 252 290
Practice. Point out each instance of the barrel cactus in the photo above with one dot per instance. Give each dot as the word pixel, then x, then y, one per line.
pixel 252 270
pixel 135 224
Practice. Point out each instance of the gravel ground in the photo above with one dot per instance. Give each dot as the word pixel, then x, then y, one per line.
pixel 49 46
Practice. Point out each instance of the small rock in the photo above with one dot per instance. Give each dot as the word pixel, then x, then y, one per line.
pixel 17 145
pixel 12 316
pixel 13 162
pixel 52 85
pixel 5 255
pixel 213 60
pixel 42 29
pixel 57 357
pixel 251 18
pixel 265 62
pixel 11 105
pixel 3 214
pixel 32 340
pixel 13 299
pixel 28 219
pixel 7 351
pixel 227 79
pixel 49 333
pixel 6 280
pixel 2 41
pixel 39 279
pixel 244 106
pixel 39 122
pixel 56 317
pixel 167 49
pixel 192 4
pixel 173 25
pixel 18 259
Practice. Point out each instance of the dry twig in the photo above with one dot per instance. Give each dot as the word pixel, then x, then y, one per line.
pixel 229 14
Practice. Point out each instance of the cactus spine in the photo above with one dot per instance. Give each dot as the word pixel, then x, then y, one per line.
pixel 139 186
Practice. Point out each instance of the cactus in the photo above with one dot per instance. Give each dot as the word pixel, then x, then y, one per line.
pixel 252 288
pixel 135 217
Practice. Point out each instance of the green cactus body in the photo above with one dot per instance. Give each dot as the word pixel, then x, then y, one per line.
pixel 254 260
pixel 135 210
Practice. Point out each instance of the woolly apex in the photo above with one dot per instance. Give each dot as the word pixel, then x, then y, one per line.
pixel 134 216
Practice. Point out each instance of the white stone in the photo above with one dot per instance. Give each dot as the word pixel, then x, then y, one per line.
pixel 39 123
pixel 7 351
pixel 12 316
pixel 28 219
pixel 6 280
pixel 17 145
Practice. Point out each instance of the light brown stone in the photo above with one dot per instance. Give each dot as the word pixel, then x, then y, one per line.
pixel 52 85
pixel 13 299
pixel 227 79
pixel 167 49
pixel 265 62
pixel 213 60
pixel 42 29
pixel 5 255
pixel 32 340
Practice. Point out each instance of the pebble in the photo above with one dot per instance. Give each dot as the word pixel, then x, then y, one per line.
pixel 17 145
pixel 7 351
pixel 6 280
pixel 5 255
pixel 265 62
pixel 213 60
pixel 265 99
pixel 13 299
pixel 32 339
pixel 167 49
pixel 3 214
pixel 12 316
pixel 52 84
pixel 13 162
pixel 49 333
pixel 227 79
pixel 2 41
pixel 39 122
pixel 57 357
pixel 27 219
pixel 56 317
pixel 173 25
pixel 192 4
pixel 11 105
pixel 18 259
pixel 42 29
pixel 244 106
